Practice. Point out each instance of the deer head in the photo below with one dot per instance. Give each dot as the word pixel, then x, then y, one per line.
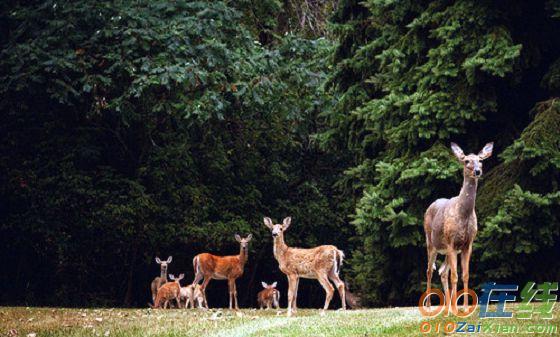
pixel 472 163
pixel 266 286
pixel 277 229
pixel 176 279
pixel 164 264
pixel 244 242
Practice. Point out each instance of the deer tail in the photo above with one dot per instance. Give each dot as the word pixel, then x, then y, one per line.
pixel 196 267
pixel 338 260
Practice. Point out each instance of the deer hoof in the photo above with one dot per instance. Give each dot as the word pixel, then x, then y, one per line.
pixel 322 313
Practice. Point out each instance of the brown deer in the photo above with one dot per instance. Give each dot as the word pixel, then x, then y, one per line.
pixel 321 263
pixel 192 294
pixel 269 296
pixel 450 226
pixel 169 291
pixel 215 267
pixel 162 279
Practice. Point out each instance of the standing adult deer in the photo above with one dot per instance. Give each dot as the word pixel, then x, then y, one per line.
pixel 215 267
pixel 450 226
pixel 162 278
pixel 321 263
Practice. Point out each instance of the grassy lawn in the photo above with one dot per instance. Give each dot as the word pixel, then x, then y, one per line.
pixel 226 323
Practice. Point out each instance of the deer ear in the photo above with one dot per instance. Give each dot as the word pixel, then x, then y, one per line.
pixel 158 261
pixel 237 238
pixel 457 151
pixel 264 284
pixel 169 259
pixel 268 222
pixel 486 151
pixel 181 276
pixel 171 277
pixel 273 285
pixel 287 221
pixel 249 237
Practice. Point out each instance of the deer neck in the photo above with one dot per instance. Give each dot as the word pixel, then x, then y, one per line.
pixel 242 256
pixel 279 246
pixel 163 275
pixel 467 196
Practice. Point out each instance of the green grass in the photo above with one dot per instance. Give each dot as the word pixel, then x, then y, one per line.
pixel 226 323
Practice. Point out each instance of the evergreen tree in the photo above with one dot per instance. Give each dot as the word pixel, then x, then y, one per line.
pixel 410 77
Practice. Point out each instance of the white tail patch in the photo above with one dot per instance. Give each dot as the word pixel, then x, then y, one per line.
pixel 196 263
pixel 338 260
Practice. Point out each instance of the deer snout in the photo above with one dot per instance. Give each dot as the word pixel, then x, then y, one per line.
pixel 477 172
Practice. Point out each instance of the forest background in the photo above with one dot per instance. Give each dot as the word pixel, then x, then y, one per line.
pixel 136 129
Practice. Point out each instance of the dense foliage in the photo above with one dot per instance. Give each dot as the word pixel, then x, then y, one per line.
pixel 413 76
pixel 135 129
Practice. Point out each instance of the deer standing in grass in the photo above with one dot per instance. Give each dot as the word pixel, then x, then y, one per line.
pixel 451 226
pixel 169 291
pixel 162 279
pixel 192 294
pixel 229 268
pixel 321 263
pixel 269 296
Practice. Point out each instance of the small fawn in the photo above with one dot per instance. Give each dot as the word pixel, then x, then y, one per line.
pixel 162 278
pixel 192 294
pixel 207 266
pixel 269 296
pixel 169 291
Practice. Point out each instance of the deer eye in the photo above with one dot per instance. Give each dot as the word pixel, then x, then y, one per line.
pixel 467 161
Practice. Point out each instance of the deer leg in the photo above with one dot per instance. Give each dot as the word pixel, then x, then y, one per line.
pixel 465 258
pixel 339 286
pixel 230 288
pixel 235 295
pixel 294 307
pixel 277 300
pixel 197 277
pixel 203 289
pixel 432 255
pixel 329 290
pixel 292 280
pixel 452 260
pixel 444 275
